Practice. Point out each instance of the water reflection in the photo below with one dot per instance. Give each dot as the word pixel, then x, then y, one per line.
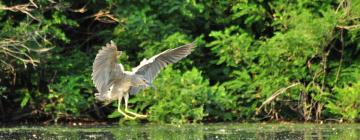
pixel 188 132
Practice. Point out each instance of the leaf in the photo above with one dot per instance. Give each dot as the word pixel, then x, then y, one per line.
pixel 115 114
pixel 25 100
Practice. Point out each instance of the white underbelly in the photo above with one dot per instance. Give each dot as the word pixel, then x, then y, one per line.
pixel 121 86
pixel 118 89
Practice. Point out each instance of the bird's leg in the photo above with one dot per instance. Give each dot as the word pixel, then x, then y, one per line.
pixel 123 113
pixel 126 98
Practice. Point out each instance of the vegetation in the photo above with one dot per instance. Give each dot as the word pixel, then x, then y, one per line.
pixel 254 61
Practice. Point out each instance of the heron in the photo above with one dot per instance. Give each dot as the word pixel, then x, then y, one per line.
pixel 114 83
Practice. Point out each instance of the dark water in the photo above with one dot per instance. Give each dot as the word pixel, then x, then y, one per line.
pixel 188 132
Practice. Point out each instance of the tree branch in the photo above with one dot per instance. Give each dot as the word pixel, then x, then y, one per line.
pixel 273 97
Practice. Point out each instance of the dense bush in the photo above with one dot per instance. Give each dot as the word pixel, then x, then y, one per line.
pixel 254 60
pixel 189 98
pixel 346 102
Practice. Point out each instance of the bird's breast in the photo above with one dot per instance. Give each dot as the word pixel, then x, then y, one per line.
pixel 122 84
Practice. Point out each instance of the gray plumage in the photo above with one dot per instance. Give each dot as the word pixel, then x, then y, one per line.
pixel 113 83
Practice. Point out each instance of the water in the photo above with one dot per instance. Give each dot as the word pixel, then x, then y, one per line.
pixel 187 132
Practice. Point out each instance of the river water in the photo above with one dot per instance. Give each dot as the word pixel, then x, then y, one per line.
pixel 245 131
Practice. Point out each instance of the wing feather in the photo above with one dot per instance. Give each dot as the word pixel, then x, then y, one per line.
pixel 151 67
pixel 105 67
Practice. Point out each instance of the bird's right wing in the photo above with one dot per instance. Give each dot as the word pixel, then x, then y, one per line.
pixel 105 67
pixel 151 67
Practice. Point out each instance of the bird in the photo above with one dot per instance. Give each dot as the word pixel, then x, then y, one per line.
pixel 114 83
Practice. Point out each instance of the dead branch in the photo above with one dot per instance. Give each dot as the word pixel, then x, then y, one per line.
pixel 23 8
pixel 342 55
pixel 273 97
pixel 350 27
pixel 16 48
pixel 106 17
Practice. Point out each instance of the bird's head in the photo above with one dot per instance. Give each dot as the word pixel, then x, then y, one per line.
pixel 141 81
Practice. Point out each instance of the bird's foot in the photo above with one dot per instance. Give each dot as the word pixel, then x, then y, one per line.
pixel 126 116
pixel 129 118
pixel 141 116
pixel 136 115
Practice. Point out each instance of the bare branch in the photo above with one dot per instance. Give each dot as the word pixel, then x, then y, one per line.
pixel 23 8
pixel 106 17
pixel 33 3
pixel 17 48
pixel 350 27
pixel 276 94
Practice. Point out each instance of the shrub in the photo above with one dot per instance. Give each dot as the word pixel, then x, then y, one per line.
pixel 180 98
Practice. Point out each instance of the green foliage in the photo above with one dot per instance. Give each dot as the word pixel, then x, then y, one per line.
pixel 346 102
pixel 247 51
pixel 232 46
pixel 71 93
pixel 66 97
pixel 25 99
pixel 296 52
pixel 181 98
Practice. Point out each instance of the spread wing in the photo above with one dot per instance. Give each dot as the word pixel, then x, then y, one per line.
pixel 151 67
pixel 105 67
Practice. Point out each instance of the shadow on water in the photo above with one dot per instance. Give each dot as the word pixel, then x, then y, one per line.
pixel 186 132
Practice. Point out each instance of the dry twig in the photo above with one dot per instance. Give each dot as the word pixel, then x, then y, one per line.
pixel 350 27
pixel 23 8
pixel 273 97
pixel 105 16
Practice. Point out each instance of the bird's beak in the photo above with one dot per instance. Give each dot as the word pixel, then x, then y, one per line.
pixel 118 54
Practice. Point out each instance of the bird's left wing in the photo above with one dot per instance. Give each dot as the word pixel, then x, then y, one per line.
pixel 105 67
pixel 151 67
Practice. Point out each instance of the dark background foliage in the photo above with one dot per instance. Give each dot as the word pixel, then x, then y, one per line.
pixel 254 61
